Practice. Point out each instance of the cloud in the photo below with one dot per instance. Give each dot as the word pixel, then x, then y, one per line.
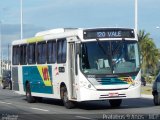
pixel 79 13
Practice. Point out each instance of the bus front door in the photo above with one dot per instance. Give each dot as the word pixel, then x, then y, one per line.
pixel 72 65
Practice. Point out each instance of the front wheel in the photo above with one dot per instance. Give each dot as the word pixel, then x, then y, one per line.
pixel 156 99
pixel 29 97
pixel 115 102
pixel 64 96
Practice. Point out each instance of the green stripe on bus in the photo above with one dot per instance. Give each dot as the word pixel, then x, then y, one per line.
pixel 35 39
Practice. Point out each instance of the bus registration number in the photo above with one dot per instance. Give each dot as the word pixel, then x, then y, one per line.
pixel 113 94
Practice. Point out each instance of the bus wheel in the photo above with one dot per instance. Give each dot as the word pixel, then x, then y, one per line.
pixel 156 99
pixel 29 97
pixel 38 99
pixel 115 102
pixel 64 96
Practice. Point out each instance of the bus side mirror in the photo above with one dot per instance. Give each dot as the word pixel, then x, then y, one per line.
pixel 78 48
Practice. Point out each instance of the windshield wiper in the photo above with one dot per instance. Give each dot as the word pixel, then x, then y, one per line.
pixel 101 46
pixel 117 48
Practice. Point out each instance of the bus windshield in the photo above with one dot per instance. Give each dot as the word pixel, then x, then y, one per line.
pixel 109 57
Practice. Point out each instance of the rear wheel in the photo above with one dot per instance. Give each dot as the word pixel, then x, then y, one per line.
pixel 115 102
pixel 156 99
pixel 29 97
pixel 64 96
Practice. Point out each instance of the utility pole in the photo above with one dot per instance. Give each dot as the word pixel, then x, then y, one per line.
pixel 8 58
pixel 21 10
pixel 136 15
pixel 0 48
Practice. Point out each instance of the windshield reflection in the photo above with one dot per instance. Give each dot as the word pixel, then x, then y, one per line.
pixel 109 57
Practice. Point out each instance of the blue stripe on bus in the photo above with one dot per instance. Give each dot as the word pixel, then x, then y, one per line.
pixel 112 81
pixel 37 84
pixel 116 81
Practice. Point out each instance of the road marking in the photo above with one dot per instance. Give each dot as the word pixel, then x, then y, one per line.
pixel 40 109
pixel 84 117
pixel 5 103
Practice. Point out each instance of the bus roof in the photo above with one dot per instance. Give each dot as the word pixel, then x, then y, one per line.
pixel 61 33
pixel 54 31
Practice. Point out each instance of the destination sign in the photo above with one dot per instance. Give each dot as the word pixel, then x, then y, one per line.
pixel 108 33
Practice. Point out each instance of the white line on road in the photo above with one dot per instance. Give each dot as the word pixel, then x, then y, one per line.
pixel 5 103
pixel 40 109
pixel 84 117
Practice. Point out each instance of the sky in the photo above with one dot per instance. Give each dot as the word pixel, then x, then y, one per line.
pixel 39 15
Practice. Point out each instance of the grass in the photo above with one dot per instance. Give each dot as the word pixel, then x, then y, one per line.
pixel 147 90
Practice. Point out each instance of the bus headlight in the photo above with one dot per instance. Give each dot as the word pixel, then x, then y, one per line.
pixel 86 84
pixel 89 86
pixel 135 83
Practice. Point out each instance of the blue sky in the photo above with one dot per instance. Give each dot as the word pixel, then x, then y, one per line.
pixel 49 14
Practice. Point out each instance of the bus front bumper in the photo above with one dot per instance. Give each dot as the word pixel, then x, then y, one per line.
pixel 87 94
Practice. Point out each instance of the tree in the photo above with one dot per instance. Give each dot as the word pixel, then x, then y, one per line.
pixel 149 53
pixel 142 36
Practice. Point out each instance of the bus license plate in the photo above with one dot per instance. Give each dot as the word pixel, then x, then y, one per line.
pixel 113 94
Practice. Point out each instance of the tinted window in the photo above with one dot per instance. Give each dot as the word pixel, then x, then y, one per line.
pixel 31 54
pixel 62 47
pixel 41 53
pixel 16 55
pixel 23 54
pixel 52 50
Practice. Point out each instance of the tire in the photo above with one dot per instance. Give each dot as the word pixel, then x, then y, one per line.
pixel 10 86
pixel 3 86
pixel 156 99
pixel 64 96
pixel 38 99
pixel 115 102
pixel 29 97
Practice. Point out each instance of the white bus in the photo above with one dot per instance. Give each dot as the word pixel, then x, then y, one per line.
pixel 75 64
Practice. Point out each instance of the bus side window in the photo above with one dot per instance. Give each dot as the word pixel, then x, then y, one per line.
pixel 23 55
pixel 62 50
pixel 41 53
pixel 31 54
pixel 16 55
pixel 52 50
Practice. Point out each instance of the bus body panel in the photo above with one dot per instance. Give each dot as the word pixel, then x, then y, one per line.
pixel 15 78
pixel 39 77
pixel 87 90
pixel 87 95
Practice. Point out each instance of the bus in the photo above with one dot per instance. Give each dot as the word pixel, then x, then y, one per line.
pixel 76 65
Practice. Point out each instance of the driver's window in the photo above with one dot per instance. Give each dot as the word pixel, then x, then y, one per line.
pixel 131 52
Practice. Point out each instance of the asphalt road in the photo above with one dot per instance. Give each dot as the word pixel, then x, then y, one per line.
pixel 14 106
